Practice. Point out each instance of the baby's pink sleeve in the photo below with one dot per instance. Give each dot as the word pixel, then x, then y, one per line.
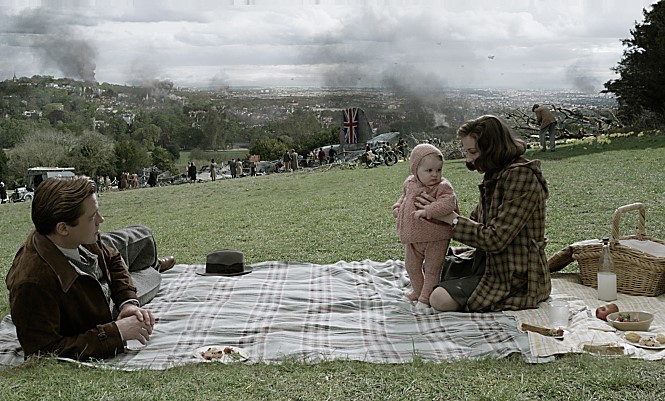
pixel 445 203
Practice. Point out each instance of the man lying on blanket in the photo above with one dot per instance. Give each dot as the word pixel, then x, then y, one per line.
pixel 70 291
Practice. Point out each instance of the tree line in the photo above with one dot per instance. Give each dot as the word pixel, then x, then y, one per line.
pixel 640 87
pixel 105 129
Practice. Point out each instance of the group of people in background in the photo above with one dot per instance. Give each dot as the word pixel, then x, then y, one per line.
pixel 104 183
pixel 128 181
pixel 236 168
pixel 290 161
pixel 321 157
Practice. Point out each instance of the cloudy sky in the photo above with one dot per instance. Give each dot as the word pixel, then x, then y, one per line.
pixel 522 44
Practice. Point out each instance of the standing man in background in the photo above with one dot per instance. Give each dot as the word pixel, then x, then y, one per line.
pixel 547 122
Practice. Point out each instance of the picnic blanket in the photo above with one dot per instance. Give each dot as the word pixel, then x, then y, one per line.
pixel 584 327
pixel 346 311
pixel 304 312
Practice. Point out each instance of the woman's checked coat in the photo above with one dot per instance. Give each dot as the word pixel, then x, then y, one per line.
pixel 513 237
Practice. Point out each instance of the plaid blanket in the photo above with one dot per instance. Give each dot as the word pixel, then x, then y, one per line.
pixel 311 313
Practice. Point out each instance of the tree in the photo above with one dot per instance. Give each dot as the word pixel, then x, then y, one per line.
pixel 115 128
pixel 13 131
pixel 162 159
pixel 46 148
pixel 213 129
pixel 642 83
pixel 269 149
pixel 3 164
pixel 92 154
pixel 148 136
pixel 131 156
pixel 192 138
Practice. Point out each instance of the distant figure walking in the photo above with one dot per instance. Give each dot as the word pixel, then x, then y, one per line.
pixel 213 170
pixel 294 160
pixel 547 122
pixel 286 160
pixel 152 177
pixel 322 157
pixel 232 168
pixel 3 193
pixel 332 155
pixel 239 168
pixel 191 170
pixel 123 180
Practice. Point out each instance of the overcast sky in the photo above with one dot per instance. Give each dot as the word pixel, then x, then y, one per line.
pixel 521 44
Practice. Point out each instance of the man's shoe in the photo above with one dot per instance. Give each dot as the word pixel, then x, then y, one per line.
pixel 166 263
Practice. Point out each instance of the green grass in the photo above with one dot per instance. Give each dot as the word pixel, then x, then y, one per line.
pixel 344 214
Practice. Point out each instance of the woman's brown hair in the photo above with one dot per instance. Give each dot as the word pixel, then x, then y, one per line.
pixel 60 200
pixel 495 141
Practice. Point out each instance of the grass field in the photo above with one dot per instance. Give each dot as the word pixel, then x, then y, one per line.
pixel 326 215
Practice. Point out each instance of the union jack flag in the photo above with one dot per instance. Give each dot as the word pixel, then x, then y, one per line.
pixel 350 125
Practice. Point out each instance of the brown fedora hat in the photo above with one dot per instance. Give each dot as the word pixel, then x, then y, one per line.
pixel 225 262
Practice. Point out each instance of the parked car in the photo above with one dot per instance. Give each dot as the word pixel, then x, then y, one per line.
pixel 21 194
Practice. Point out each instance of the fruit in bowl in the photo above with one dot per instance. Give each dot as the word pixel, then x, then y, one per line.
pixel 603 311
pixel 630 320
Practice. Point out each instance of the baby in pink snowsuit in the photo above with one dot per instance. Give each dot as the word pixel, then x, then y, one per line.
pixel 426 239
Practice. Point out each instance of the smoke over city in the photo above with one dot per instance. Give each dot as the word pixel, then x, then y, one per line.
pixel 398 55
pixel 414 48
pixel 55 43
pixel 582 79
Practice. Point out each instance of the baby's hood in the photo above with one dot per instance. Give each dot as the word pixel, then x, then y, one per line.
pixel 418 154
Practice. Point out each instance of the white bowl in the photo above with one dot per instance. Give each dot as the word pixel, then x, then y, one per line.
pixel 643 322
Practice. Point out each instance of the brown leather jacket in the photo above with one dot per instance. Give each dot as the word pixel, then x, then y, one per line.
pixel 58 310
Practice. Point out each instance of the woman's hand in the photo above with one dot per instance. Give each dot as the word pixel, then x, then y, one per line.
pixel 425 199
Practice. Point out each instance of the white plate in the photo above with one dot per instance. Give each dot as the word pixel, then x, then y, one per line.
pixel 236 354
pixel 644 334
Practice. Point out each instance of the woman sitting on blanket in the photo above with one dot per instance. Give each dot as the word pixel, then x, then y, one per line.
pixel 508 268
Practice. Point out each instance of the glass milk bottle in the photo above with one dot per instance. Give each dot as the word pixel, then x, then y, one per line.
pixel 607 278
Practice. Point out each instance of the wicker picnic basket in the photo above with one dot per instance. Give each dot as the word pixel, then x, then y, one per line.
pixel 639 261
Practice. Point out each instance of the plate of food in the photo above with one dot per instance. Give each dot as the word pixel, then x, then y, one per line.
pixel 644 339
pixel 222 354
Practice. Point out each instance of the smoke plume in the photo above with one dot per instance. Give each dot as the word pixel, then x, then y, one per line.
pixel 581 79
pixel 55 43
